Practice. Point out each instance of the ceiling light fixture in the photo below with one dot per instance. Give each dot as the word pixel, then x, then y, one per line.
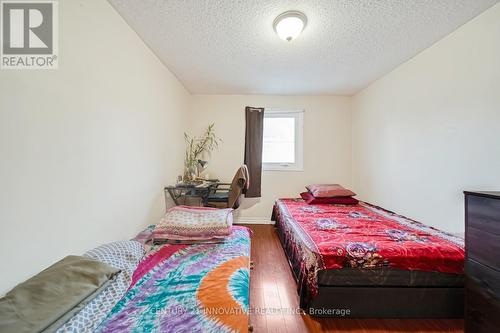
pixel 289 25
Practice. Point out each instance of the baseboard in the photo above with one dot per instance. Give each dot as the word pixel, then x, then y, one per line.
pixel 252 220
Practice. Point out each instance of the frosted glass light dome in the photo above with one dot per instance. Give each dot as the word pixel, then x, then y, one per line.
pixel 289 25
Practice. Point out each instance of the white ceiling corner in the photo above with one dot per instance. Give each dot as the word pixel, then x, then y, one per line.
pixel 229 46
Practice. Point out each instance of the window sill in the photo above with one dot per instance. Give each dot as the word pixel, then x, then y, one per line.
pixel 296 168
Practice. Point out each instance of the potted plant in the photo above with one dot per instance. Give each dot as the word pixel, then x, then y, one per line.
pixel 196 147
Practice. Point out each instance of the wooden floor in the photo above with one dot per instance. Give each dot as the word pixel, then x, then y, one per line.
pixel 274 300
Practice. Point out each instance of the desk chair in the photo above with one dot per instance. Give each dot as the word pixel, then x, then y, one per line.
pixel 230 193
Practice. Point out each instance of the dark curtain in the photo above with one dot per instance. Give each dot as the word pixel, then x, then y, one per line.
pixel 253 148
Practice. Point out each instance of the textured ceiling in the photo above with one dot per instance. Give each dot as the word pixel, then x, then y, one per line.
pixel 229 46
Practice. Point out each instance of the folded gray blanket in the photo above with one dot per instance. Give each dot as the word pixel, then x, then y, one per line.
pixel 47 300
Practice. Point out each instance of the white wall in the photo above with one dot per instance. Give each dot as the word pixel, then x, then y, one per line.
pixel 86 149
pixel 431 128
pixel 327 143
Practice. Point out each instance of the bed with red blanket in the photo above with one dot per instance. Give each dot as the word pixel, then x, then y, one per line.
pixel 363 261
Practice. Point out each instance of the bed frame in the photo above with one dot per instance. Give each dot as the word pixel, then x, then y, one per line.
pixel 384 301
pixel 388 302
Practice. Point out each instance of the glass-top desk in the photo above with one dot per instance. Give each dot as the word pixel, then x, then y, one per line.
pixel 183 191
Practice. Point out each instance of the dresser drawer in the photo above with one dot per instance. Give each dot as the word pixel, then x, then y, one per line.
pixel 482 233
pixel 481 314
pixel 482 246
pixel 483 213
pixel 482 298
pixel 483 277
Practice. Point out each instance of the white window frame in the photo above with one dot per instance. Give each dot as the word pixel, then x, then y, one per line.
pixel 298 114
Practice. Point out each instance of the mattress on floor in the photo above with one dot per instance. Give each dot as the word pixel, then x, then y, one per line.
pixel 187 288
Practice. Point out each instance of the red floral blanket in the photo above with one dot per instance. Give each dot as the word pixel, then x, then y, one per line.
pixel 362 236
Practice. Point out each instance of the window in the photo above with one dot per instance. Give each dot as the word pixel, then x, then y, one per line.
pixel 283 135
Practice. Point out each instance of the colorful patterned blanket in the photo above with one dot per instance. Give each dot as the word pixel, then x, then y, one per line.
pixel 188 288
pixel 321 237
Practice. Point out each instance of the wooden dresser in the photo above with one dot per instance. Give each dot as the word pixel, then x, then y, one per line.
pixel 482 265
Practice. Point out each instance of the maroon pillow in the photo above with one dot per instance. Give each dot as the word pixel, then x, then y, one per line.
pixel 311 200
pixel 329 190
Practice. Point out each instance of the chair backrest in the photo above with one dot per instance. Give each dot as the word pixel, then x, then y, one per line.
pixel 238 185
